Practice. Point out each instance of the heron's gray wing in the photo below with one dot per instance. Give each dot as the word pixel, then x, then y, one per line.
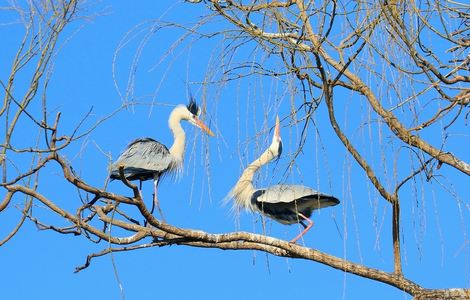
pixel 284 202
pixel 144 155
pixel 285 193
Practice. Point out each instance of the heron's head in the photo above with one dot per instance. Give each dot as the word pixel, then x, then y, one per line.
pixel 276 144
pixel 191 114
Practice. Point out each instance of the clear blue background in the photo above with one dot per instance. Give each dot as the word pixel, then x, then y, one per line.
pixel 39 264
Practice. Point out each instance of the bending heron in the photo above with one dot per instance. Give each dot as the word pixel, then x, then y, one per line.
pixel 286 204
pixel 146 158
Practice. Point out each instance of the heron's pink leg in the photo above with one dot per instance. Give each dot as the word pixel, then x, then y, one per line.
pixel 310 224
pixel 155 199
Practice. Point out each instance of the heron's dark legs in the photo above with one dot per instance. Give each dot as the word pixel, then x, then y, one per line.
pixel 306 227
pixel 140 190
pixel 155 199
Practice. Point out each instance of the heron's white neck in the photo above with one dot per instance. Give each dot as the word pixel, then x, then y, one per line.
pixel 178 147
pixel 244 188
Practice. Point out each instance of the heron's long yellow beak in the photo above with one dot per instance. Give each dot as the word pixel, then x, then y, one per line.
pixel 203 127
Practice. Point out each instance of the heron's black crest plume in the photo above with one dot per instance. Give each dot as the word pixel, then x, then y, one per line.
pixel 193 107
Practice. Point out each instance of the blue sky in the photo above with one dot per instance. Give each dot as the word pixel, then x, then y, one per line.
pixel 90 72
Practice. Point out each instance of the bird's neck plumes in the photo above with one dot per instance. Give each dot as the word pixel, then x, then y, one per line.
pixel 244 188
pixel 178 147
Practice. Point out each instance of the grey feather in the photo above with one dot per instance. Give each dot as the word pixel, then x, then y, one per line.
pixel 283 203
pixel 143 159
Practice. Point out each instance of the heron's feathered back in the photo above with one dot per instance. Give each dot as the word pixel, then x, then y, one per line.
pixel 142 159
pixel 287 193
pixel 283 203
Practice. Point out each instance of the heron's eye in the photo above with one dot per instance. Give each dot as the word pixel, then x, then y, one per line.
pixel 280 148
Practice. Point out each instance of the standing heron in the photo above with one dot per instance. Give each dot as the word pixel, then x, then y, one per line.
pixel 146 158
pixel 287 204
